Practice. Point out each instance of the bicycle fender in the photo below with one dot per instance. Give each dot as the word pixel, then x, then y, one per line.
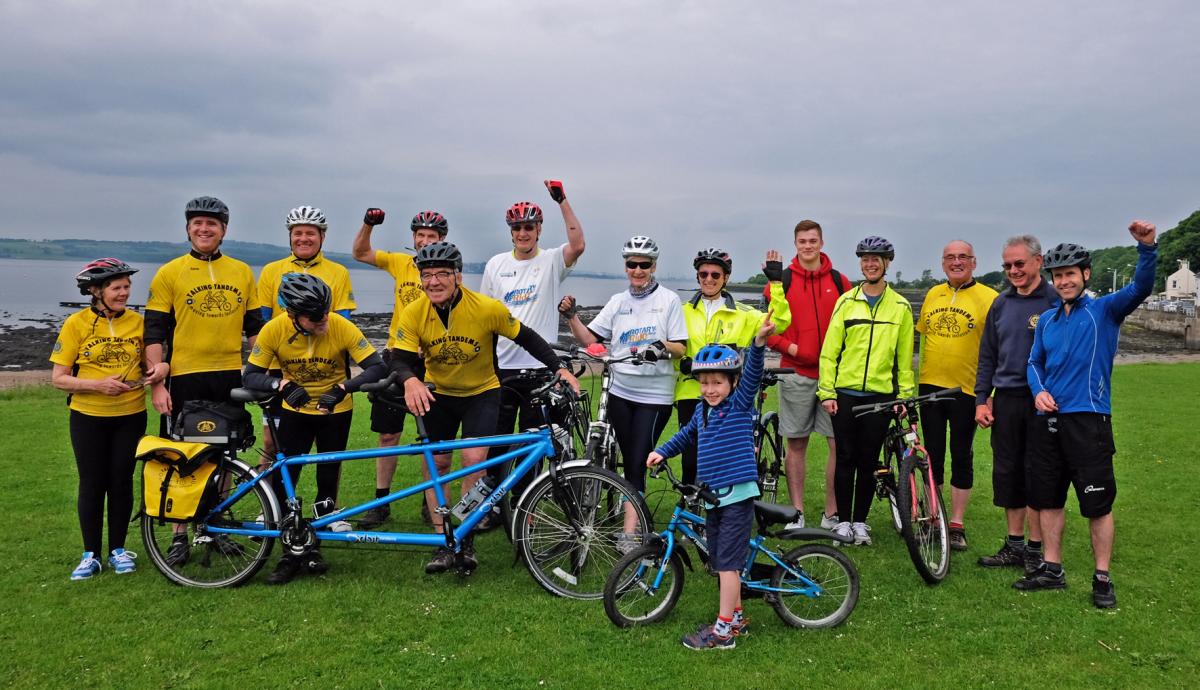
pixel 546 473
pixel 813 534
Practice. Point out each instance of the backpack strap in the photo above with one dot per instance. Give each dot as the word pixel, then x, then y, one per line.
pixel 837 281
pixel 162 493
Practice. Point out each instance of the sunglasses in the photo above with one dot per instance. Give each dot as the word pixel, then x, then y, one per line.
pixel 644 265
pixel 1018 264
pixel 527 227
pixel 709 274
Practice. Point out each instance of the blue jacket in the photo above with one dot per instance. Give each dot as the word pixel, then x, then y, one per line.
pixel 724 435
pixel 1073 352
pixel 1008 338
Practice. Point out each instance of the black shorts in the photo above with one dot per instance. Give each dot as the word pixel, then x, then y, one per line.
pixel 1075 448
pixel 475 414
pixel 205 385
pixel 386 419
pixel 1012 415
pixel 727 531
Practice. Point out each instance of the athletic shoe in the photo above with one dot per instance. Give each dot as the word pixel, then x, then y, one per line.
pixel 87 567
pixel 285 571
pixel 1104 595
pixel 741 628
pixel 862 533
pixel 958 539
pixel 798 523
pixel 705 638
pixel 340 526
pixel 313 563
pixel 1042 578
pixel 467 562
pixel 375 517
pixel 1033 560
pixel 1008 555
pixel 627 543
pixel 443 560
pixel 177 554
pixel 121 561
pixel 843 529
pixel 829 521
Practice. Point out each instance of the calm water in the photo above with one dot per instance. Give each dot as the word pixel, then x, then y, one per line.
pixel 31 289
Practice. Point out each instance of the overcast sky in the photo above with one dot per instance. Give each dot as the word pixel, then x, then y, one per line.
pixel 697 123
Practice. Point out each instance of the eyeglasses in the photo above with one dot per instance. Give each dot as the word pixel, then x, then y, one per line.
pixel 957 257
pixel 709 274
pixel 1018 264
pixel 644 265
pixel 440 276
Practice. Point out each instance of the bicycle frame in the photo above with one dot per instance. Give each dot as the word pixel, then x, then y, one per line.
pixel 530 447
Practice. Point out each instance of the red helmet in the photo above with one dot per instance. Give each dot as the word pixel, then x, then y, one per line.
pixel 523 212
pixel 100 271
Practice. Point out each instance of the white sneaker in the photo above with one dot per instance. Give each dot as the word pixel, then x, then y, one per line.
pixel 829 521
pixel 843 529
pixel 862 533
pixel 798 523
pixel 627 542
pixel 340 526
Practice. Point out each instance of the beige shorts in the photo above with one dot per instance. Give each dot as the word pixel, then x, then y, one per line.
pixel 800 412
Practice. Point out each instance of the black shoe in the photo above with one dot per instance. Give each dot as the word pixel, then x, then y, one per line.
pixel 285 571
pixel 443 560
pixel 1008 555
pixel 375 517
pixel 467 562
pixel 1104 595
pixel 958 539
pixel 1033 560
pixel 177 555
pixel 1042 578
pixel 226 546
pixel 314 564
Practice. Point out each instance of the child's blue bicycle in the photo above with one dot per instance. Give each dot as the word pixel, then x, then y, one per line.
pixel 567 522
pixel 812 586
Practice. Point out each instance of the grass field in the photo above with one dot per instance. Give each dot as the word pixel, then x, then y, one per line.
pixel 377 621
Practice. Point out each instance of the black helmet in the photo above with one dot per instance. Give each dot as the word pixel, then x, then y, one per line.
pixel 1065 255
pixel 99 271
pixel 438 255
pixel 209 206
pixel 432 220
pixel 305 294
pixel 712 255
pixel 876 245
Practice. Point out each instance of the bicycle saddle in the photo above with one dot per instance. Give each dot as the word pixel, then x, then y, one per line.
pixel 775 514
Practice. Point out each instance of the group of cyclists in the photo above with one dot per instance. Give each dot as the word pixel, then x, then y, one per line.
pixel 1033 363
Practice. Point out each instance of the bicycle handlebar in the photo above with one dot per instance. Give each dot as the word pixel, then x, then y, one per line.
pixel 913 402
pixel 690 492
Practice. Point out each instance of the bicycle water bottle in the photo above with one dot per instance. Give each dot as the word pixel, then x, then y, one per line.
pixel 472 499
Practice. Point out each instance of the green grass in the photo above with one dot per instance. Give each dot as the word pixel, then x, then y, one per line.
pixel 377 621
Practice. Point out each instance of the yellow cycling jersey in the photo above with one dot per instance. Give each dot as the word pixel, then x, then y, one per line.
pixel 208 301
pixel 98 348
pixel 951 322
pixel 317 362
pixel 335 275
pixel 408 282
pixel 459 360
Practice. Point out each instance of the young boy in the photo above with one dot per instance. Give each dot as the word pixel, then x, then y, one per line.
pixel 722 430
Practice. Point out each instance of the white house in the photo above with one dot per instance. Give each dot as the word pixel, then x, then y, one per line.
pixel 1181 283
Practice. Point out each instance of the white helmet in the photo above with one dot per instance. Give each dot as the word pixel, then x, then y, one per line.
pixel 640 246
pixel 307 215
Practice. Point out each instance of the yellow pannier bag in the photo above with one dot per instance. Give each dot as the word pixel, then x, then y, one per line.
pixel 176 478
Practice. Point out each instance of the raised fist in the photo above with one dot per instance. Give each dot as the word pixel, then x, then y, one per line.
pixel 1143 231
pixel 373 217
pixel 556 190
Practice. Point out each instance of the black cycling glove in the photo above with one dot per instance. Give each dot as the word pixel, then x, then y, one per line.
pixel 373 217
pixel 330 398
pixel 568 307
pixel 295 395
pixel 773 270
pixel 556 190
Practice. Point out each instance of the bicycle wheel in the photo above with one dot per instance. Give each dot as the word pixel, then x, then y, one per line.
pixel 770 457
pixel 570 529
pixel 630 597
pixel 819 587
pixel 922 522
pixel 890 492
pixel 220 560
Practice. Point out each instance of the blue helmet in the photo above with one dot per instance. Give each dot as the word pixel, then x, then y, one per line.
pixel 716 357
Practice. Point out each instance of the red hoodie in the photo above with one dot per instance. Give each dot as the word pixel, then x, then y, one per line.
pixel 811 297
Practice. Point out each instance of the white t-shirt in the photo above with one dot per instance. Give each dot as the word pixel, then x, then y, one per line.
pixel 530 290
pixel 628 321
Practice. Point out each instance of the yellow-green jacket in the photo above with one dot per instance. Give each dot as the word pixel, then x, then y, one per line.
pixel 866 349
pixel 733 323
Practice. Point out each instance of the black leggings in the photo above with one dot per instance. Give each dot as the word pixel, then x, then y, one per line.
pixel 959 413
pixel 686 408
pixel 104 448
pixel 296 435
pixel 637 427
pixel 859 441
